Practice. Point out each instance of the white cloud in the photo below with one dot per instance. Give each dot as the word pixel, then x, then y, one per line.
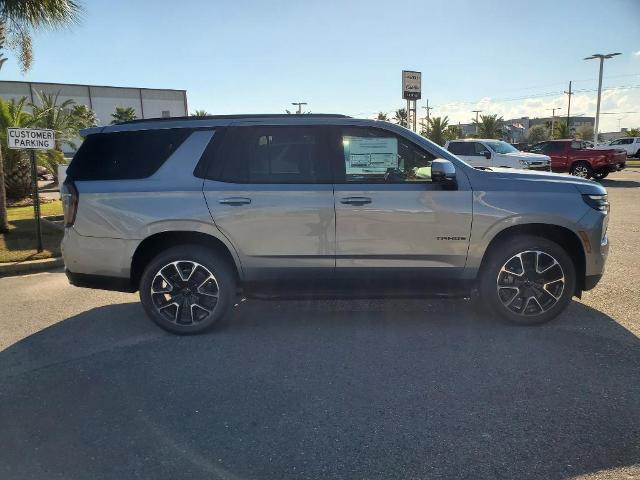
pixel 637 54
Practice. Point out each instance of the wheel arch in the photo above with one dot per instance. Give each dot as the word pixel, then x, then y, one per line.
pixel 563 236
pixel 158 242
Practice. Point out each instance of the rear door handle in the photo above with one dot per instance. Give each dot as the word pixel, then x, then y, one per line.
pixel 355 200
pixel 235 201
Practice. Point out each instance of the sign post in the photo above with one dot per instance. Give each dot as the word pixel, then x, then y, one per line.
pixel 411 92
pixel 32 139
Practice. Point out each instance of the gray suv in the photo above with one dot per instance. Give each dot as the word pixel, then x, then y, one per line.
pixel 193 212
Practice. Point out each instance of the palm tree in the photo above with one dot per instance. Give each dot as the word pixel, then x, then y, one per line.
pixel 401 118
pixel 453 132
pixel 18 19
pixel 437 129
pixel 200 113
pixel 382 116
pixel 489 126
pixel 537 133
pixel 49 113
pixel 123 114
pixel 633 132
pixel 83 117
pixel 17 179
pixel 561 130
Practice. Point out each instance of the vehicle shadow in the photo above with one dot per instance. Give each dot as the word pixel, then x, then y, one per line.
pixel 611 183
pixel 322 389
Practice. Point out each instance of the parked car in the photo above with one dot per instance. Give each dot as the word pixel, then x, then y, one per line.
pixel 575 157
pixel 631 146
pixel 496 153
pixel 193 212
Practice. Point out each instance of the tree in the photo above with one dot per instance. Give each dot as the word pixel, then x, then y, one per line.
pixel 401 117
pixel 123 114
pixel 453 132
pixel 438 129
pixel 382 116
pixel 17 179
pixel 18 19
pixel 489 126
pixel 561 131
pixel 200 113
pixel 633 132
pixel 49 112
pixel 83 117
pixel 585 132
pixel 537 133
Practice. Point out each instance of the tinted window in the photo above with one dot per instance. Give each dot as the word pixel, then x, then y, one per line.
pixel 462 148
pixel 271 155
pixel 478 149
pixel 372 155
pixel 124 155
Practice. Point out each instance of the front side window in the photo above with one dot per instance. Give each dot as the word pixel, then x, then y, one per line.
pixel 373 155
pixel 501 147
pixel 272 155
pixel 478 149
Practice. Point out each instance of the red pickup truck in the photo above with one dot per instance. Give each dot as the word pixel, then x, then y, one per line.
pixel 572 156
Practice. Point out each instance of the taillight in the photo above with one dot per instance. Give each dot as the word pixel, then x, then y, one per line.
pixel 69 202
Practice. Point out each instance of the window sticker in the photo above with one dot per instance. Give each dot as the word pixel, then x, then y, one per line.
pixel 366 155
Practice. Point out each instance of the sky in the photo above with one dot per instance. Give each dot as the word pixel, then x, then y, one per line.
pixel 511 58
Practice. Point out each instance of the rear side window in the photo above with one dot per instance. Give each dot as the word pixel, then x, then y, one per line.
pixel 271 154
pixel 462 148
pixel 125 155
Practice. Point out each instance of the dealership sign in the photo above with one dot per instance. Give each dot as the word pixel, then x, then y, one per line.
pixel 411 85
pixel 31 138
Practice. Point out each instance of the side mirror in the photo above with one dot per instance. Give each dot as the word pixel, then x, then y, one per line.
pixel 443 171
pixel 487 154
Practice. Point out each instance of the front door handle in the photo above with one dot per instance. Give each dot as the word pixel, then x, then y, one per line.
pixel 355 200
pixel 235 201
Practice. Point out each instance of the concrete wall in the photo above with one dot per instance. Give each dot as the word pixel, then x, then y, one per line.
pixel 103 100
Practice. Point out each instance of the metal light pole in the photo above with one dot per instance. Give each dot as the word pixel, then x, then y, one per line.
pixel 428 109
pixel 553 120
pixel 299 104
pixel 476 112
pixel 602 58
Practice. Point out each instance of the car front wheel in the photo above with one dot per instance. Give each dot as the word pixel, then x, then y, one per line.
pixel 582 170
pixel 527 280
pixel 187 289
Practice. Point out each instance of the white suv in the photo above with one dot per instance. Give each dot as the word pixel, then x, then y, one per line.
pixel 629 144
pixel 480 152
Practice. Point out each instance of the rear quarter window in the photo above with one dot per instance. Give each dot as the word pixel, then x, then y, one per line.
pixel 124 155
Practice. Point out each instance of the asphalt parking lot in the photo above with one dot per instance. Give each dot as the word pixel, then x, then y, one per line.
pixel 90 388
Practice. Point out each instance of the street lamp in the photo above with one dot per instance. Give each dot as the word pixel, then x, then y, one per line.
pixel 602 58
pixel 299 104
pixel 553 120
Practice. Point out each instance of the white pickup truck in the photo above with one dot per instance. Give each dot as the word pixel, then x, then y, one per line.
pixel 479 152
pixel 631 145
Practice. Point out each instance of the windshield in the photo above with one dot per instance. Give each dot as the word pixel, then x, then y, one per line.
pixel 501 147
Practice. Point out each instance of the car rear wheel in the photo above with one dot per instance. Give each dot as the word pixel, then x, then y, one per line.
pixel 600 175
pixel 187 289
pixel 582 170
pixel 527 280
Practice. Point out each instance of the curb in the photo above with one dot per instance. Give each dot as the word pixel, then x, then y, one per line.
pixel 31 266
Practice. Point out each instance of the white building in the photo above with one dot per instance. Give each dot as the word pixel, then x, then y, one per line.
pixel 103 100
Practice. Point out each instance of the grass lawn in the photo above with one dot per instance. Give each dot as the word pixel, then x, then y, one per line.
pixel 20 243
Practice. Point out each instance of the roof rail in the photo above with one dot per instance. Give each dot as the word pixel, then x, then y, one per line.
pixel 231 117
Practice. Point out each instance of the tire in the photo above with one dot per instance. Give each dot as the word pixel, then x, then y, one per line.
pixel 581 169
pixel 194 289
pixel 600 175
pixel 538 297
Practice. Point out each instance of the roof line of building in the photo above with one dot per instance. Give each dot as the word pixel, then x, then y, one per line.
pixel 90 85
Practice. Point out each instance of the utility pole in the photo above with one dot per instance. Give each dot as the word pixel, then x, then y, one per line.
pixel 602 58
pixel 476 112
pixel 569 106
pixel 299 104
pixel 553 120
pixel 427 108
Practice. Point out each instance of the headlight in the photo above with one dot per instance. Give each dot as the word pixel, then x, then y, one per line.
pixel 524 163
pixel 597 202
